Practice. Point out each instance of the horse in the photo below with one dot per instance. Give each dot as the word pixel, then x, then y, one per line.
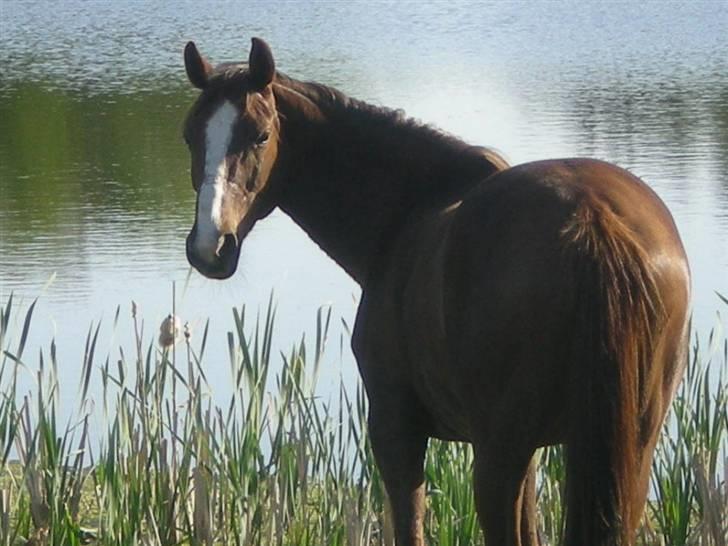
pixel 512 307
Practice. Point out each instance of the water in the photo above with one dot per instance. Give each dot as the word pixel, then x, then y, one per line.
pixel 94 183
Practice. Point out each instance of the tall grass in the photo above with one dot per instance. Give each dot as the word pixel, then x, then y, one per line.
pixel 277 464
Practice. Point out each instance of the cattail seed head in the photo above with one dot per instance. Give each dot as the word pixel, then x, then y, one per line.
pixel 169 331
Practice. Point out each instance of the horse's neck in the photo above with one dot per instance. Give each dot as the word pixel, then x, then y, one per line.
pixel 352 186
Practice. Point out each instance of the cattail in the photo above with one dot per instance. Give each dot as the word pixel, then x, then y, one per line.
pixel 169 331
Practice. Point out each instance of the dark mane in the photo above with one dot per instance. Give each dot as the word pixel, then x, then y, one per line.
pixel 356 112
pixel 435 167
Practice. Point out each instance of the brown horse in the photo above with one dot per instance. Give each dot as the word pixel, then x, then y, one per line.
pixel 512 308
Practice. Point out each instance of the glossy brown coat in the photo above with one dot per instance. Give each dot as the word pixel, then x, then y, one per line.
pixel 512 308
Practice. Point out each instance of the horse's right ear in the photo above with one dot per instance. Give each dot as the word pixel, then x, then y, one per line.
pixel 198 69
pixel 261 66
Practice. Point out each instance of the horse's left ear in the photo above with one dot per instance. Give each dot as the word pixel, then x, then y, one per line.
pixel 261 65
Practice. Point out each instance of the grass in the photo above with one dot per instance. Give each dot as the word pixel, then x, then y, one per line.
pixel 277 464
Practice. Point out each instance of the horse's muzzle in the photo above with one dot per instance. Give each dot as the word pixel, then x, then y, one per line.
pixel 218 265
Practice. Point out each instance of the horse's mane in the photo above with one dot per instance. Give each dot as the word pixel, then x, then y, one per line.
pixel 365 115
pixel 351 111
pixel 445 166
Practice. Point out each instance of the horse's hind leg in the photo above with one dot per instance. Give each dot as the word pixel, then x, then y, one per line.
pixel 529 514
pixel 501 489
pixel 399 449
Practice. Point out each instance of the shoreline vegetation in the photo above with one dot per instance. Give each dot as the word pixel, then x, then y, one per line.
pixel 278 464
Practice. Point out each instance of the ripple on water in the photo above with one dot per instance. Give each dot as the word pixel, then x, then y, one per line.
pixel 93 173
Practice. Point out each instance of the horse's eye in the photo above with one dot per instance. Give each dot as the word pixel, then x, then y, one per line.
pixel 262 138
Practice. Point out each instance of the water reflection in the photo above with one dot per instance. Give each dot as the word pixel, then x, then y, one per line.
pixel 94 179
pixel 87 176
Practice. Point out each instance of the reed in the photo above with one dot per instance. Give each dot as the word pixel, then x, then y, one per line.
pixel 278 463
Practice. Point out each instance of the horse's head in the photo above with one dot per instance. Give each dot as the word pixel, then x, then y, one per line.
pixel 232 133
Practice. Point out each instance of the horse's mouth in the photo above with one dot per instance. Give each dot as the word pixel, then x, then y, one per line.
pixel 224 263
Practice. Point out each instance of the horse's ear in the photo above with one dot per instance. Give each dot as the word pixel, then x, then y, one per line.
pixel 261 65
pixel 198 69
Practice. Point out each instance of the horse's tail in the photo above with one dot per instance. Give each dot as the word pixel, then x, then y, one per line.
pixel 618 314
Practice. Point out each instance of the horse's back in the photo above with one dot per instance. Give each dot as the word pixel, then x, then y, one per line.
pixel 515 225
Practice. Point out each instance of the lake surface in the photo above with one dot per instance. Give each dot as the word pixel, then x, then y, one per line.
pixel 94 183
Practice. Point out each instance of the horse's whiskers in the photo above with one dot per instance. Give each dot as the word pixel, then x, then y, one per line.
pixel 220 243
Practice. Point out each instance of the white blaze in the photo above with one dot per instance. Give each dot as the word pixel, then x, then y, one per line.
pixel 218 134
